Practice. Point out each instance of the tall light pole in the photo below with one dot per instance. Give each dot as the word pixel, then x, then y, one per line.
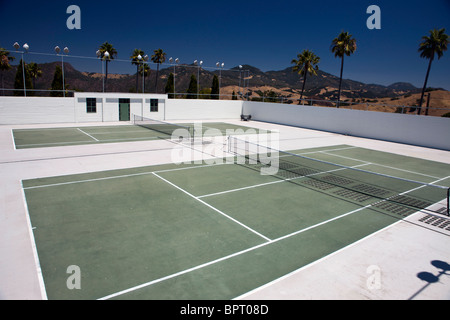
pixel 220 66
pixel 99 55
pixel 26 47
pixel 104 57
pixel 145 59
pixel 240 70
pixel 66 51
pixel 174 74
pixel 198 74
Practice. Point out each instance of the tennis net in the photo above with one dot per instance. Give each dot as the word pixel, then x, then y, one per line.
pixel 171 130
pixel 388 193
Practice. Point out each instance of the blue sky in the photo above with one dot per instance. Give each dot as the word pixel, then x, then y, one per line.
pixel 264 34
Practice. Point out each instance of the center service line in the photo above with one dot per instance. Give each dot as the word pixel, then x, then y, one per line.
pixel 215 209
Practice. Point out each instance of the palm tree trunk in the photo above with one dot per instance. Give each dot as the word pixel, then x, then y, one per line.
pixel 303 87
pixel 106 74
pixel 340 82
pixel 137 78
pixel 424 85
pixel 157 75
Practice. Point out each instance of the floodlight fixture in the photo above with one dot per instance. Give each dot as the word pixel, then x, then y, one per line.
pixel 26 47
pixel 57 50
pixel 66 50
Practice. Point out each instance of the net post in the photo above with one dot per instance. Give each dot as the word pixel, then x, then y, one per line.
pixel 448 202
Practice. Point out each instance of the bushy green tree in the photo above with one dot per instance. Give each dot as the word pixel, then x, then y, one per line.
pixel 5 65
pixel 192 90
pixel 170 88
pixel 18 81
pixel 57 83
pixel 215 88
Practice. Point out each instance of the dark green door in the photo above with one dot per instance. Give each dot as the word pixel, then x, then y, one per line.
pixel 124 109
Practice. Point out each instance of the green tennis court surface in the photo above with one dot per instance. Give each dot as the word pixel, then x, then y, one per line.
pixel 206 231
pixel 56 137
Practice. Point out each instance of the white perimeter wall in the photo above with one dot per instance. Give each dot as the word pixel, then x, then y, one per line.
pixel 417 130
pixel 425 131
pixel 193 109
pixel 24 110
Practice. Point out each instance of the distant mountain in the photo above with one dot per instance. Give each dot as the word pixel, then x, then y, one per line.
pixel 322 86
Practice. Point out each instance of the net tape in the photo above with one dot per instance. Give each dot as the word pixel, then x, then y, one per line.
pixel 160 126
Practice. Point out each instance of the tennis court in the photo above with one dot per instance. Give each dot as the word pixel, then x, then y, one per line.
pixel 72 136
pixel 219 230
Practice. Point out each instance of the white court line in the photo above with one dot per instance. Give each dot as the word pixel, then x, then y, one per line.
pixel 90 141
pixel 129 175
pixel 210 206
pixel 117 177
pixel 12 137
pixel 34 249
pixel 54 143
pixel 146 284
pixel 278 181
pixel 87 134
pixel 143 285
pixel 381 165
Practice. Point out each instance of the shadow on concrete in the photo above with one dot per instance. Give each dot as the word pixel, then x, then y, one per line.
pixel 430 278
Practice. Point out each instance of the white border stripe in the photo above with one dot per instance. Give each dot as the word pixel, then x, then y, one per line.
pixel 34 248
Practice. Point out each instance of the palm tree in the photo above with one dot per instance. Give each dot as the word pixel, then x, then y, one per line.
pixel 112 53
pixel 144 70
pixel 343 45
pixel 5 65
pixel 34 71
pixel 158 57
pixel 137 57
pixel 436 43
pixel 307 62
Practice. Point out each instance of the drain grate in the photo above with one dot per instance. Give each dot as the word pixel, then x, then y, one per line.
pixel 295 173
pixel 318 184
pixel 336 180
pixel 286 165
pixel 435 221
pixel 374 191
pixel 413 202
pixel 394 208
pixel 352 195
